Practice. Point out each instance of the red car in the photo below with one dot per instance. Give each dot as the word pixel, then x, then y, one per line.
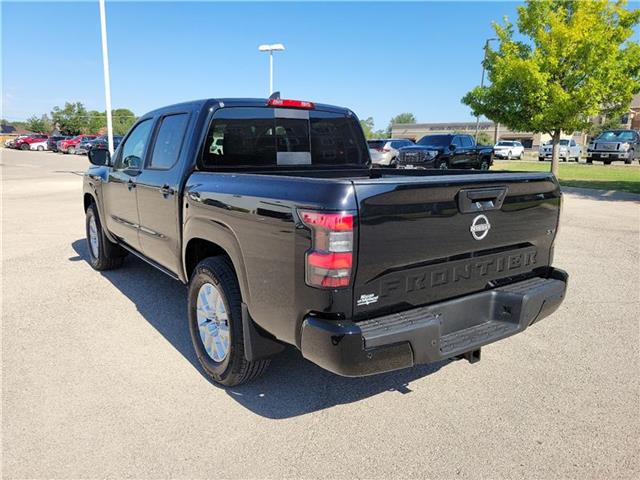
pixel 25 143
pixel 69 145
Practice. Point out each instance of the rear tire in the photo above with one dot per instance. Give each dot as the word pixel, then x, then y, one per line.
pixel 40 148
pixel 233 368
pixel 103 254
pixel 521 156
pixel 71 150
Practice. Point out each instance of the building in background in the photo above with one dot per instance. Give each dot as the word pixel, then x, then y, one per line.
pixel 530 140
pixel 495 131
pixel 9 132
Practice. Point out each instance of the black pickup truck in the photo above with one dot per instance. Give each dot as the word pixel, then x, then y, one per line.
pixel 270 212
pixel 445 151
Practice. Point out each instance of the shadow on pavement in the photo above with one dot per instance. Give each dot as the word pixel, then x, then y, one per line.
pixel 603 191
pixel 291 386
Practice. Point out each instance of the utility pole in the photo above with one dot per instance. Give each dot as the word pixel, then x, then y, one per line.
pixel 275 47
pixel 105 68
pixel 486 47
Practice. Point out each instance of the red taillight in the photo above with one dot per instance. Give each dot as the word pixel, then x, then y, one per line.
pixel 329 262
pixel 283 102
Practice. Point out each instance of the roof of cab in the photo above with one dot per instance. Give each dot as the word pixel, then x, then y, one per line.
pixel 232 102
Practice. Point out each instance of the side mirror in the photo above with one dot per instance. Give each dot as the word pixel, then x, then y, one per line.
pixel 452 147
pixel 99 156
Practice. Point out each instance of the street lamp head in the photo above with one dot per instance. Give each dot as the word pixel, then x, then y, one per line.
pixel 275 47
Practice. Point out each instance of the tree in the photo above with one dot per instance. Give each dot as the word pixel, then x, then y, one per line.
pixel 484 138
pixel 575 61
pixel 401 118
pixel 123 119
pixel 40 124
pixel 72 119
pixel 367 128
pixel 96 122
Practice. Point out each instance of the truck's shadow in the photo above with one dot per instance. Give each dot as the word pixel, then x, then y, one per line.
pixel 292 386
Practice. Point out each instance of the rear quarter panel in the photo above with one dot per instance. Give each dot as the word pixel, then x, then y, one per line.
pixel 254 219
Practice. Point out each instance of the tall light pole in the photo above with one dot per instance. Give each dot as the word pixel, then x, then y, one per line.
pixel 486 47
pixel 105 68
pixel 274 47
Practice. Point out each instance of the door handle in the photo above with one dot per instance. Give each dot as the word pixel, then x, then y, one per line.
pixel 131 184
pixel 166 190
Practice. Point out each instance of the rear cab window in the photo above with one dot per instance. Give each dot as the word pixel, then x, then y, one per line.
pixel 280 137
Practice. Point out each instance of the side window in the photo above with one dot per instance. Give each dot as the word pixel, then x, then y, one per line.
pixel 457 141
pixel 168 141
pixel 133 149
pixel 467 142
pixel 573 143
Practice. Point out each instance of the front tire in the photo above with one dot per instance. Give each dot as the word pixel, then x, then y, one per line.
pixel 24 146
pixel 484 164
pixel 40 148
pixel 103 254
pixel 215 324
pixel 71 150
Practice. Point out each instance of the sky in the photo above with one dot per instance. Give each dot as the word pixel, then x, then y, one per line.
pixel 379 59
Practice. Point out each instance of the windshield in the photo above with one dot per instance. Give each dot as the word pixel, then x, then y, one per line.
pixel 617 136
pixel 435 140
pixel 504 144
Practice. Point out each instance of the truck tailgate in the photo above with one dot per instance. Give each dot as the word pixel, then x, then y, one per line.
pixel 423 239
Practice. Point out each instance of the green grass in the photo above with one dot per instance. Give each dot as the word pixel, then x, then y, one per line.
pixel 624 178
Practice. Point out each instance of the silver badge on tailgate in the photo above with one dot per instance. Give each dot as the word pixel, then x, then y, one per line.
pixel 480 227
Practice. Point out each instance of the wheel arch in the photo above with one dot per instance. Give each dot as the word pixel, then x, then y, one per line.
pixel 88 199
pixel 206 239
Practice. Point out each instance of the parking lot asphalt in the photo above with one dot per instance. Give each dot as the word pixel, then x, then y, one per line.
pixel 99 379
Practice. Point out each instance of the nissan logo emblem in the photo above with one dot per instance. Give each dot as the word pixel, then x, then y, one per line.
pixel 480 227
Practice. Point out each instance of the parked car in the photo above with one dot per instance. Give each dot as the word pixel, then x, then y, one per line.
pixel 69 145
pixel 285 235
pixel 52 142
pixel 384 152
pixel 508 149
pixel 25 142
pixel 612 145
pixel 569 149
pixel 446 151
pixel 11 143
pixel 85 145
pixel 39 146
pixel 103 143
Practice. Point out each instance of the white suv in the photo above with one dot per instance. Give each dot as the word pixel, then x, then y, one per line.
pixel 508 149
pixel 384 151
